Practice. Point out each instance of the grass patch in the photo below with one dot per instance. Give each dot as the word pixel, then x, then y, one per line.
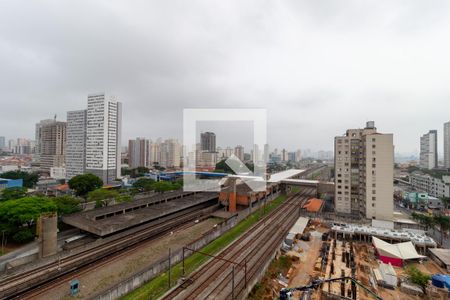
pixel 156 287
pixel 263 289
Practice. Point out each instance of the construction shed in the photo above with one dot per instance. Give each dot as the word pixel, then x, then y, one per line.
pixel 395 254
pixel 299 226
pixel 441 257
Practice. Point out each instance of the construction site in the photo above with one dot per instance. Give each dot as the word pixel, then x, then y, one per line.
pixel 317 261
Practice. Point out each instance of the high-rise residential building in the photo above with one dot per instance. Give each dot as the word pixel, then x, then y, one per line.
pixel 239 152
pixel 364 167
pixel 50 144
pixel 428 150
pixel 266 153
pixel 298 155
pixel 11 145
pixel 170 154
pixel 284 155
pixel 208 141
pixel 154 153
pixel 37 132
pixel 2 142
pixel 76 143
pixel 447 145
pixel 103 136
pixel 138 153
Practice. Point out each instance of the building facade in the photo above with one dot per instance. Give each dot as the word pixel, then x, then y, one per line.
pixel 447 145
pixel 103 137
pixel 51 144
pixel 208 141
pixel 428 150
pixel 76 143
pixel 239 152
pixel 364 172
pixel 138 153
pixel 2 142
pixel 170 153
pixel 436 187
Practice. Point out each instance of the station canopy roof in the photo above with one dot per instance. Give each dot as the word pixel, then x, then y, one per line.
pixel 403 251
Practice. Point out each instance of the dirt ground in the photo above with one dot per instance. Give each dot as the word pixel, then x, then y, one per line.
pixel 111 273
pixel 305 267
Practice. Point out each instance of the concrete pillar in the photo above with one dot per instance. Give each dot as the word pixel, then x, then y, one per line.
pixel 48 242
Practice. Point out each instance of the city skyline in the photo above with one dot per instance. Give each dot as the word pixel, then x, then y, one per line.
pixel 306 83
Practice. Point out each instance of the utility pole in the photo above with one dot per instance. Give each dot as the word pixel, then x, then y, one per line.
pixel 170 252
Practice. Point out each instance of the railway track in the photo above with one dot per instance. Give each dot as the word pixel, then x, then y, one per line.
pixel 24 285
pixel 242 261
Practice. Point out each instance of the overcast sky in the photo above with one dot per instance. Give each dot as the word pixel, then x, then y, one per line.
pixel 319 67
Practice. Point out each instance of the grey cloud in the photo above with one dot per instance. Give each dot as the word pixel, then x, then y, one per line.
pixel 319 67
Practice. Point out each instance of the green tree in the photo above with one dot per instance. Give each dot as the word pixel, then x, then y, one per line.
pixel 144 183
pixel 423 219
pixel 162 186
pixel 13 193
pixel 445 202
pixel 67 205
pixel 443 222
pixel 102 197
pixel 83 184
pixel 29 179
pixel 418 277
pixel 26 210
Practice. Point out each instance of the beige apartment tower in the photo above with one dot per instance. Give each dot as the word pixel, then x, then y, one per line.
pixel 364 171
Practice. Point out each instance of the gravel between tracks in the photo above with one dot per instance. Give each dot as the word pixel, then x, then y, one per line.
pixel 134 262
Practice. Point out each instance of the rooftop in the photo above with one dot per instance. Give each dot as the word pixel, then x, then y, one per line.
pixel 404 235
pixel 442 254
pixel 313 205
pixel 107 220
pixel 277 177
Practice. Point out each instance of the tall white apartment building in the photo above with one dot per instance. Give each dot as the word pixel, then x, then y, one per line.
pixel 154 153
pixel 298 155
pixel 428 150
pixel 103 136
pixel 170 152
pixel 76 143
pixel 447 145
pixel 364 173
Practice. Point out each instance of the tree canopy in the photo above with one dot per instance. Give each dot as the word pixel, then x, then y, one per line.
pixel 164 186
pixel 13 193
pixel 83 184
pixel 418 277
pixel 67 205
pixel 25 210
pixel 136 172
pixel 103 197
pixel 29 179
pixel 144 183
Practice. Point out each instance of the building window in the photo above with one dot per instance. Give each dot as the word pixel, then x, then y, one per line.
pixel 374 198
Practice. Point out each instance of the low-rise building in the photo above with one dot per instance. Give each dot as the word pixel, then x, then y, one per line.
pixel 434 186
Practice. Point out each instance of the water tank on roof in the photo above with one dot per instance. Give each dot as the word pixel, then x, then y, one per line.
pixel 370 125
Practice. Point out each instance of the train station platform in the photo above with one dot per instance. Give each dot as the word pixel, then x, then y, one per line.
pixel 115 218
